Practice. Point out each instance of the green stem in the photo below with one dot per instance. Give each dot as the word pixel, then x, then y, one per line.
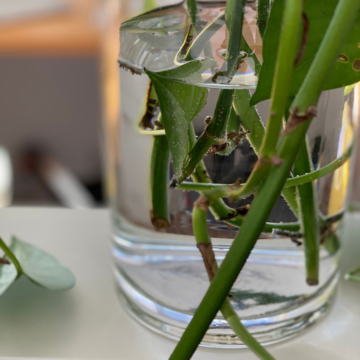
pixel 241 331
pixel 202 237
pixel 214 134
pixel 317 174
pixel 351 275
pixel 11 256
pixel 234 15
pixel 292 182
pixel 159 177
pixel 256 66
pixel 204 37
pixel 286 55
pixel 263 14
pixel 309 218
pixel 339 28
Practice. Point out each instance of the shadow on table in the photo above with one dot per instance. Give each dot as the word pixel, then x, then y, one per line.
pixel 51 315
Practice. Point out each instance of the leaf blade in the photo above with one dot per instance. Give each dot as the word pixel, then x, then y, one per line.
pixel 319 14
pixel 179 104
pixel 42 268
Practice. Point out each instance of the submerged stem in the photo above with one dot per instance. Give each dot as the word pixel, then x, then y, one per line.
pixel 309 218
pixel 203 241
pixel 159 177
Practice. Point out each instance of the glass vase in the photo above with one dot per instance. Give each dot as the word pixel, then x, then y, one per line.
pixel 160 275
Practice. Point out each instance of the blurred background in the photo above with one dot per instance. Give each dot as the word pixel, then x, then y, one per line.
pixel 59 97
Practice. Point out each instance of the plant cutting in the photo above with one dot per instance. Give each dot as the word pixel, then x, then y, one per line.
pixel 308 47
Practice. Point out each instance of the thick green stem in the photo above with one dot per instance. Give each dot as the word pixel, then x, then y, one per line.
pixel 11 256
pixel 339 28
pixel 309 218
pixel 263 14
pixel 159 178
pixel 204 243
pixel 286 55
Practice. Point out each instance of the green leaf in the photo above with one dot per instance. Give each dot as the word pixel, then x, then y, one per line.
pixel 179 104
pixel 319 13
pixel 42 268
pixel 8 274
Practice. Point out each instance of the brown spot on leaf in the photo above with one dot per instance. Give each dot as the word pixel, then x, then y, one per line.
pixel 343 58
pixel 356 64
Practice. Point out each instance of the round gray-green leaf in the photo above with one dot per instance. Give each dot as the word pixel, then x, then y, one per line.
pixel 42 268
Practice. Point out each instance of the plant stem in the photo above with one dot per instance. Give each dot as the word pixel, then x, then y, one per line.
pixel 244 46
pixel 336 34
pixel 218 208
pixel 11 256
pixel 234 15
pixel 317 174
pixel 351 274
pixel 291 182
pixel 204 37
pixel 308 217
pixel 202 238
pixel 286 55
pixel 159 178
pixel 263 14
pixel 214 134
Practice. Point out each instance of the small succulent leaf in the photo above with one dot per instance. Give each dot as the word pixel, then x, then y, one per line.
pixel 319 13
pixel 42 268
pixel 8 274
pixel 179 104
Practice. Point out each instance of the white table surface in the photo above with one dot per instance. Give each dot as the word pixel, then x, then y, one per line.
pixel 88 322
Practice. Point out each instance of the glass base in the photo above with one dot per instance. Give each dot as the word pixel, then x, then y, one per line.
pixel 267 329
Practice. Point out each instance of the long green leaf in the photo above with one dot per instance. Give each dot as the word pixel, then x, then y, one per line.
pixel 319 13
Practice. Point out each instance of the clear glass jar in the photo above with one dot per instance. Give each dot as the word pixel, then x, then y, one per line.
pixel 160 274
